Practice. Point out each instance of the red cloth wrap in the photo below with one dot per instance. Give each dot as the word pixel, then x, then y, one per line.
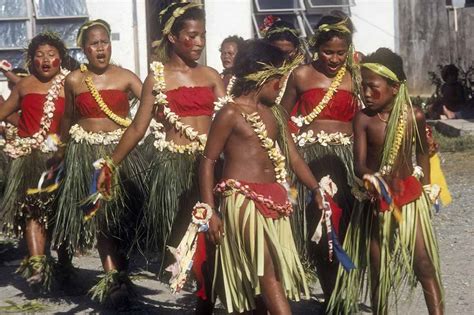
pixel 116 100
pixel 191 101
pixel 274 191
pixel 342 106
pixel 31 112
pixel 200 258
pixel 403 192
pixel 336 213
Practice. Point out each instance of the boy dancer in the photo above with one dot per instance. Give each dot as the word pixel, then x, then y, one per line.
pixel 394 222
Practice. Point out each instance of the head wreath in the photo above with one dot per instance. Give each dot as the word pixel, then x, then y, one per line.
pixel 268 71
pixel 160 45
pixel 84 27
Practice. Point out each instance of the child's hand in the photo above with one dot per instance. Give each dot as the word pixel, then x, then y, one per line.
pixel 318 200
pixel 216 229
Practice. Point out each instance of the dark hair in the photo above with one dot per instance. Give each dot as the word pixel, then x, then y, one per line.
pixel 284 35
pixel 323 37
pixel 449 70
pixel 51 39
pixel 87 27
pixel 249 60
pixel 389 59
pixel 239 41
pixel 194 13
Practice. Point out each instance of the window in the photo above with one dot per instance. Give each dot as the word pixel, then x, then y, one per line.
pixel 329 3
pixel 303 14
pixel 21 20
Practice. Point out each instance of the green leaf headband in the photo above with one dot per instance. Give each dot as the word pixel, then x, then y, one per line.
pixel 277 30
pixel 381 70
pixel 340 27
pixel 176 14
pixel 268 71
pixel 84 27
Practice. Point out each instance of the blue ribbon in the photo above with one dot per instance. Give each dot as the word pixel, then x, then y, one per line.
pixel 341 255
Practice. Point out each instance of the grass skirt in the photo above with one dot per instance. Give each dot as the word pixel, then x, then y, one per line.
pixel 333 160
pixel 173 186
pixel 240 257
pixel 397 250
pixel 116 218
pixel 4 163
pixel 16 206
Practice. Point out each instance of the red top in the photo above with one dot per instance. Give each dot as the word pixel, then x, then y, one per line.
pixel 116 100
pixel 342 106
pixel 191 101
pixel 31 112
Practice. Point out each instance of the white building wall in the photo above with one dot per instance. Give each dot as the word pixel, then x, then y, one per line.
pixel 225 18
pixel 374 21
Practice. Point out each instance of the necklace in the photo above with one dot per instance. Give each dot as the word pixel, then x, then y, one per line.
pixel 273 151
pixel 380 117
pixel 308 119
pixel 21 146
pixel 123 122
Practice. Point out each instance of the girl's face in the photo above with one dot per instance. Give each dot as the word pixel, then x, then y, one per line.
pixel 97 47
pixel 286 46
pixel 46 61
pixel 190 41
pixel 332 55
pixel 378 93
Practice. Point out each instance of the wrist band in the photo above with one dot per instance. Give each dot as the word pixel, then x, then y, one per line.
pixel 209 159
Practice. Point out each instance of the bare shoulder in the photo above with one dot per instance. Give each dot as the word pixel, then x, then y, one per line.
pixel 209 72
pixel 302 71
pixel 229 112
pixel 74 77
pixel 418 113
pixel 362 117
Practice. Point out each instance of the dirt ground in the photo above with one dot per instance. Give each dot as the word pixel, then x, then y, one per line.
pixel 454 226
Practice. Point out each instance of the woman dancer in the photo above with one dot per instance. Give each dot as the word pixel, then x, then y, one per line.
pixel 179 93
pixel 40 97
pixel 322 99
pixel 97 102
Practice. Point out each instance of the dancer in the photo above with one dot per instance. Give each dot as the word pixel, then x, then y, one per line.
pixel 282 35
pixel 322 99
pixel 391 233
pixel 97 102
pixel 179 93
pixel 40 97
pixel 256 253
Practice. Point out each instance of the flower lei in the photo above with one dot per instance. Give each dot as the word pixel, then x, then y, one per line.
pixel 79 135
pixel 20 146
pixel 198 141
pixel 323 138
pixel 308 119
pixel 124 122
pixel 221 101
pixel 228 186
pixel 268 144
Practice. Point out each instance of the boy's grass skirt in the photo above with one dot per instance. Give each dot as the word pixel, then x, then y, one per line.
pixel 17 206
pixel 173 187
pixel 116 218
pixel 335 160
pixel 397 250
pixel 240 258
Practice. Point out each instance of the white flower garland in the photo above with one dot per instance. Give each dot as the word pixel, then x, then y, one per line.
pixel 22 146
pixel 323 138
pixel 79 135
pixel 198 141
pixel 268 144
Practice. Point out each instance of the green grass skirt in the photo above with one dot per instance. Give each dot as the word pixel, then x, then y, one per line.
pixel 173 187
pixel 397 248
pixel 240 258
pixel 16 206
pixel 333 160
pixel 117 218
pixel 4 165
